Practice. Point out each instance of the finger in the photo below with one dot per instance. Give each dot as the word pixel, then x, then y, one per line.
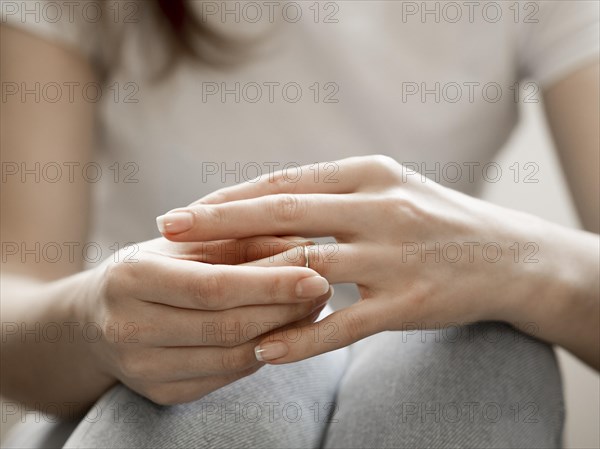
pixel 233 252
pixel 335 331
pixel 194 362
pixel 193 285
pixel 311 215
pixel 337 262
pixel 343 176
pixel 169 327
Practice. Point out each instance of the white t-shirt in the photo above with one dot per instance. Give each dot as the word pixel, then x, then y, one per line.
pixel 436 85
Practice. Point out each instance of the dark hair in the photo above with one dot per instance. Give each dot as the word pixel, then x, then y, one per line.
pixel 183 28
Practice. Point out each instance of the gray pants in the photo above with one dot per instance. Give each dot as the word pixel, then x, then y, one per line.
pixel 484 385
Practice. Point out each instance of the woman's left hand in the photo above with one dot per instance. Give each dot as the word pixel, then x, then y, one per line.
pixel 422 255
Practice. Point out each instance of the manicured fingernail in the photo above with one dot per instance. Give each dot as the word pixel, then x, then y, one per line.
pixel 270 351
pixel 175 222
pixel 312 287
pixel 325 299
pixel 331 293
pixel 313 316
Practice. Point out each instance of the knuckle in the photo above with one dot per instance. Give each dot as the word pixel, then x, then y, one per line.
pixel 386 167
pixel 213 214
pixel 229 333
pixel 230 338
pixel 354 325
pixel 117 279
pixel 279 183
pixel 275 289
pixel 107 324
pixel 213 198
pixel 407 173
pixel 209 291
pixel 399 206
pixel 383 162
pixel 286 208
pixel 111 324
pixel 393 203
pixel 235 360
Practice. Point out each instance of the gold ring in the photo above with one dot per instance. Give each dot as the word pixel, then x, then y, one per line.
pixel 306 258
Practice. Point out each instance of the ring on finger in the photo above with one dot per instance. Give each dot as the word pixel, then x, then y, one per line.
pixel 306 257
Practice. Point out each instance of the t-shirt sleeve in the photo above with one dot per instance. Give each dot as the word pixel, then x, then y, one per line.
pixel 557 38
pixel 76 25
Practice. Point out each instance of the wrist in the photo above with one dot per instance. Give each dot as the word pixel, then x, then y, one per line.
pixel 73 303
pixel 556 298
pixel 55 343
pixel 85 308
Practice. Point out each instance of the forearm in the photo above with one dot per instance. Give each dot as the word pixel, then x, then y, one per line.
pixel 563 305
pixel 46 345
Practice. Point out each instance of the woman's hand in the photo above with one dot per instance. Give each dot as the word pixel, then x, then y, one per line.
pixel 176 325
pixel 423 256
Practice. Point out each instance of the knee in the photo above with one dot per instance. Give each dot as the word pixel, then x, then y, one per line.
pixel 271 408
pixel 484 385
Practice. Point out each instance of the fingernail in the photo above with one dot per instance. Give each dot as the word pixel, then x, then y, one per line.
pixel 312 287
pixel 175 222
pixel 331 293
pixel 270 351
pixel 313 316
pixel 325 299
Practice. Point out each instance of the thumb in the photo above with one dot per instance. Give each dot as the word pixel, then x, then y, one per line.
pixel 335 331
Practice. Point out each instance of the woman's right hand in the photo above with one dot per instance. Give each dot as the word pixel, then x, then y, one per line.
pixel 180 320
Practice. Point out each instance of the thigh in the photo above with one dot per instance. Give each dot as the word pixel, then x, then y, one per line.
pixel 279 406
pixel 484 385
